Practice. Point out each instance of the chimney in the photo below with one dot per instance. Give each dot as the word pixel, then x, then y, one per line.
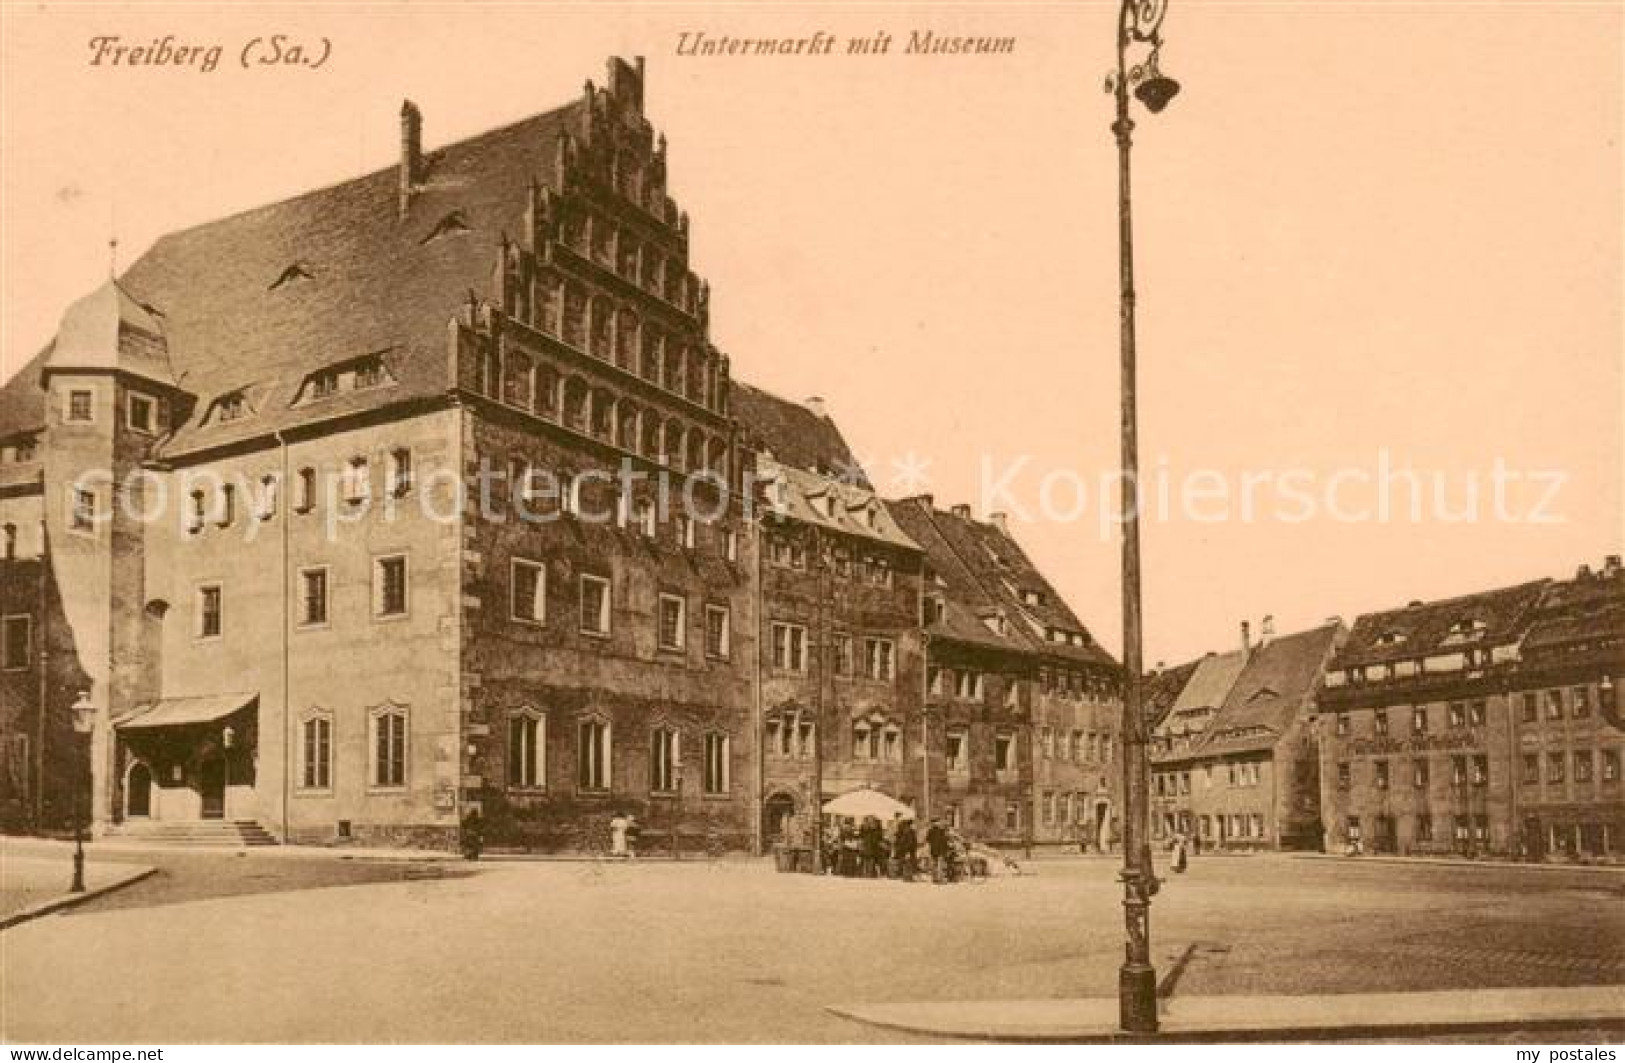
pixel 1610 565
pixel 1583 572
pixel 1267 631
pixel 411 152
pixel 815 403
pixel 961 511
pixel 1246 636
pixel 1001 522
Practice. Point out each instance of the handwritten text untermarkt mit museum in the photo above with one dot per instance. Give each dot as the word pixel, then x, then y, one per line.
pixel 916 42
pixel 272 50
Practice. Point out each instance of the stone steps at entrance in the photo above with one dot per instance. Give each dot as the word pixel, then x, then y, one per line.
pixel 201 833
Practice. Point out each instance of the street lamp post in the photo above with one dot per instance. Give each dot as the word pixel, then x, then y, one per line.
pixel 1139 22
pixel 84 721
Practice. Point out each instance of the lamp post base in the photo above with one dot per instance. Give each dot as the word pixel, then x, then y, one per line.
pixel 78 869
pixel 1137 998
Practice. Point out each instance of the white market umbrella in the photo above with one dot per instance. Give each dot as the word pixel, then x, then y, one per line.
pixel 861 803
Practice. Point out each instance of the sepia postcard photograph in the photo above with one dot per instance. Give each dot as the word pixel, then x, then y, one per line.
pixel 1073 522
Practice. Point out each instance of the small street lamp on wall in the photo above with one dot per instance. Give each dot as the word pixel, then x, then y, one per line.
pixel 84 722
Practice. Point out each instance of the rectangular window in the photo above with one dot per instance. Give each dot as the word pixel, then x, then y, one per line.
pixel 958 750
pixel 1477 713
pixel 1531 767
pixel 685 532
pixel 1554 704
pixel 265 499
pixel 209 620
pixel 1554 767
pixel 389 750
pixel 789 647
pixel 1581 697
pixel 1381 780
pixel 1342 723
pixel 1531 707
pixel 1257 825
pixel 718 631
pixel 83 514
pixel 1379 722
pixel 389 586
pixel 592 755
pixel 1419 774
pixel 878 659
pixel 1458 771
pixel 663 760
pixel 304 496
pixel 528 591
pixel 141 412
pixel 1481 771
pixel 356 483
pixel 527 751
pixel 400 471
pixel 317 754
pixel 1424 828
pixel 1610 765
pixel 715 778
pixel 1582 765
pixel 1345 775
pixel 313 596
pixel 1352 828
pixel 1004 752
pixel 730 545
pixel 225 507
pixel 81 407
pixel 845 663
pixel 1419 720
pixel 1458 714
pixel 969 686
pixel 594 605
pixel 673 614
pixel 16 642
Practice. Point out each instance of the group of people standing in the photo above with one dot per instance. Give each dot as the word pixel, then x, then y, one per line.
pixel 868 849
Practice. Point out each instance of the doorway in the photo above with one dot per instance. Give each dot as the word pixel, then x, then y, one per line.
pixel 138 792
pixel 780 810
pixel 212 788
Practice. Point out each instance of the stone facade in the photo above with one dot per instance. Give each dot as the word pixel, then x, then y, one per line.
pixel 1483 725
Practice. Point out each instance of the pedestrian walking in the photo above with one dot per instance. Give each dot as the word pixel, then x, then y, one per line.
pixel 904 847
pixel 1179 854
pixel 936 847
pixel 619 826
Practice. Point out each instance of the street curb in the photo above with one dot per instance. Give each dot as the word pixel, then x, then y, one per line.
pixel 1432 861
pixel 72 900
pixel 1248 1019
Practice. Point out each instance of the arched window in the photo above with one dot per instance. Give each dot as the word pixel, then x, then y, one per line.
pixel 575 404
pixel 516 384
pixel 649 444
pixel 664 756
pixel 694 454
pixel 550 303
pixel 603 414
pixel 574 329
pixel 387 746
pixel 593 754
pixel 627 437
pixel 652 344
pixel 626 339
pixel 316 751
pixel 671 366
pixel 693 386
pixel 598 321
pixel 675 440
pixel 716 458
pixel 547 391
pixel 527 750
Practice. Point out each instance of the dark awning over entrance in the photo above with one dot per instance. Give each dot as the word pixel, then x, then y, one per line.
pixel 179 712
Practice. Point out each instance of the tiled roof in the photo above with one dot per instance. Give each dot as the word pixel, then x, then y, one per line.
pixel 1211 682
pixel 1276 685
pixel 1159 690
pixel 374 283
pixel 964 598
pixel 986 572
pixel 1589 609
pixel 794 434
pixel 822 500
pixel 1426 627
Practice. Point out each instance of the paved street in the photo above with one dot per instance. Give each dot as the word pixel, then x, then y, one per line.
pixel 288 947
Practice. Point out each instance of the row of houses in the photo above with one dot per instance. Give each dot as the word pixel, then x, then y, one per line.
pixel 1486 724
pixel 429 493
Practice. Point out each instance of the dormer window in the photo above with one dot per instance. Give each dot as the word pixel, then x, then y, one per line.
pixel 451 225
pixel 1030 597
pixel 323 385
pixel 141 412
pixel 369 374
pixel 1465 631
pixel 1391 638
pixel 232 407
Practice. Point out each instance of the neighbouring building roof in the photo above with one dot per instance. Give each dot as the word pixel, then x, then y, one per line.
pixel 1585 613
pixel 1160 689
pixel 964 600
pixel 813 498
pixel 1472 621
pixel 181 712
pixel 1210 682
pixel 1276 686
pixel 794 434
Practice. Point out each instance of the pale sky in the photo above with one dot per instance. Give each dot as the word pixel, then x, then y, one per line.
pixel 1362 226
